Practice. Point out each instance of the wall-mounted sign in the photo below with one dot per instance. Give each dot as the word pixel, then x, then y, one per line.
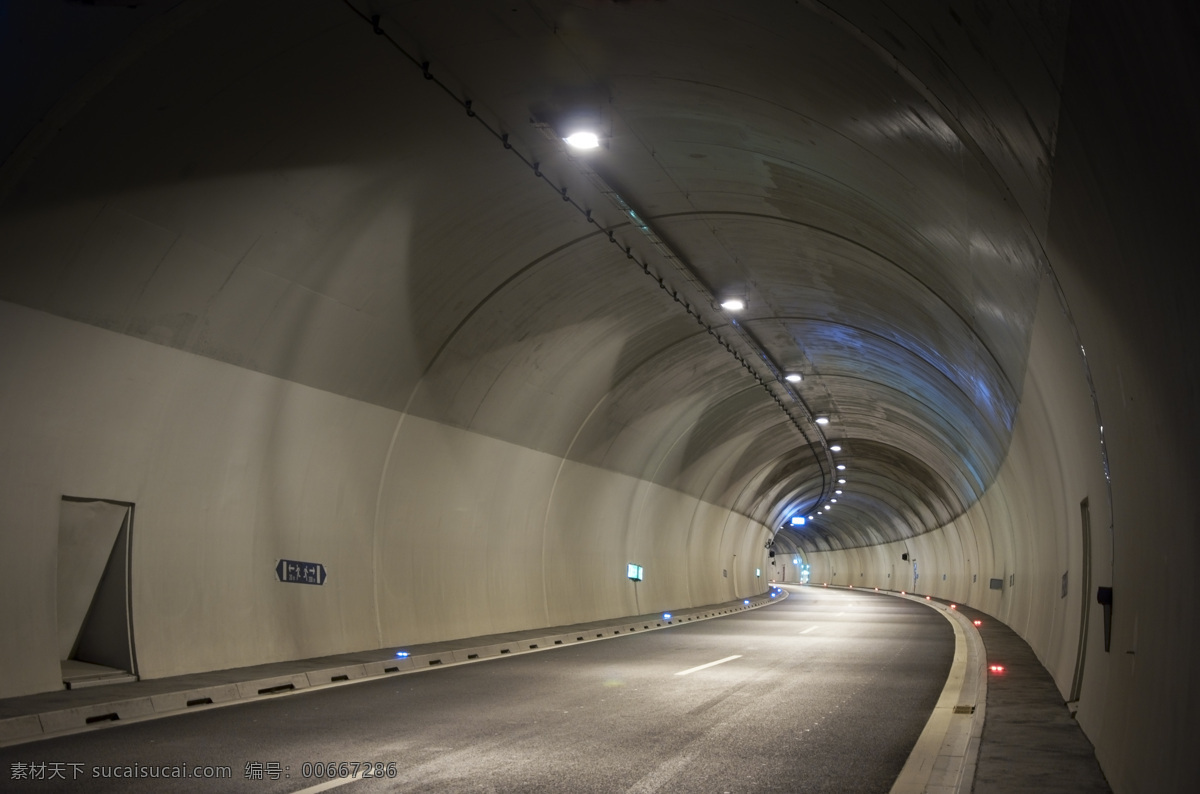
pixel 634 572
pixel 297 572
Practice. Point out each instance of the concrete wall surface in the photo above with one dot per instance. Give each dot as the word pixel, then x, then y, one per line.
pixel 297 290
pixel 427 531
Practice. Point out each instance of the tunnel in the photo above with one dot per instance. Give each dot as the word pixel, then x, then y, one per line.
pixel 321 332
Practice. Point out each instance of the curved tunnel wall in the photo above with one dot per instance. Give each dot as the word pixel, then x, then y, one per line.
pixel 1119 243
pixel 269 331
pixel 428 531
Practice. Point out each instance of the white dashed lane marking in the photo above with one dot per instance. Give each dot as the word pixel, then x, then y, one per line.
pixel 710 664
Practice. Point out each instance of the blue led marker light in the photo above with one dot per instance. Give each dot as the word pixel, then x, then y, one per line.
pixel 401 654
pixel 666 616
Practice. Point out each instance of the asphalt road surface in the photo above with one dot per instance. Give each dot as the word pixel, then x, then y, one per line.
pixel 825 691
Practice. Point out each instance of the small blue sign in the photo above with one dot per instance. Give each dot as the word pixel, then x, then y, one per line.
pixel 298 572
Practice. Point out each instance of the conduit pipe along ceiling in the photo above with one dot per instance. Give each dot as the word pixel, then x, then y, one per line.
pixel 821 168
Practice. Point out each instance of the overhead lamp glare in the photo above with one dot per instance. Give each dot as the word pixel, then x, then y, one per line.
pixel 822 420
pixel 794 377
pixel 835 447
pixel 583 139
pixel 733 304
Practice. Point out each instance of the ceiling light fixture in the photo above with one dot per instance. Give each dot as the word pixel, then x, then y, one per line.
pixel 794 377
pixel 733 304
pixel 583 139
pixel 842 481
pixel 822 420
pixel 841 467
pixel 835 447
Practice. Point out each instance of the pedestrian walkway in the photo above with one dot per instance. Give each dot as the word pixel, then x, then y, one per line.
pixel 1031 741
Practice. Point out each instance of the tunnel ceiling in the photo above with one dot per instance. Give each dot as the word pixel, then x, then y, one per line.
pixel 385 209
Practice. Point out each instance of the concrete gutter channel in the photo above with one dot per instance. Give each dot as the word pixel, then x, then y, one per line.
pixel 49 714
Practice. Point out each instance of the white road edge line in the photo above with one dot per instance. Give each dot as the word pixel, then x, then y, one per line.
pixel 810 628
pixel 330 784
pixel 942 759
pixel 710 664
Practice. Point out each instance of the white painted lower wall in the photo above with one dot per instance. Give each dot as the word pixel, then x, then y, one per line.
pixel 427 531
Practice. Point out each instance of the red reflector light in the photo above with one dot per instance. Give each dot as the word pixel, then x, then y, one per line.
pixel 928 598
pixel 996 668
pixel 876 589
pixel 954 606
pixel 978 622
pixel 903 593
pixel 851 587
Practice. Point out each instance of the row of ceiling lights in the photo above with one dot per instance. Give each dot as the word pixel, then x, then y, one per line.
pixel 841 467
pixel 584 139
pixel 736 305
